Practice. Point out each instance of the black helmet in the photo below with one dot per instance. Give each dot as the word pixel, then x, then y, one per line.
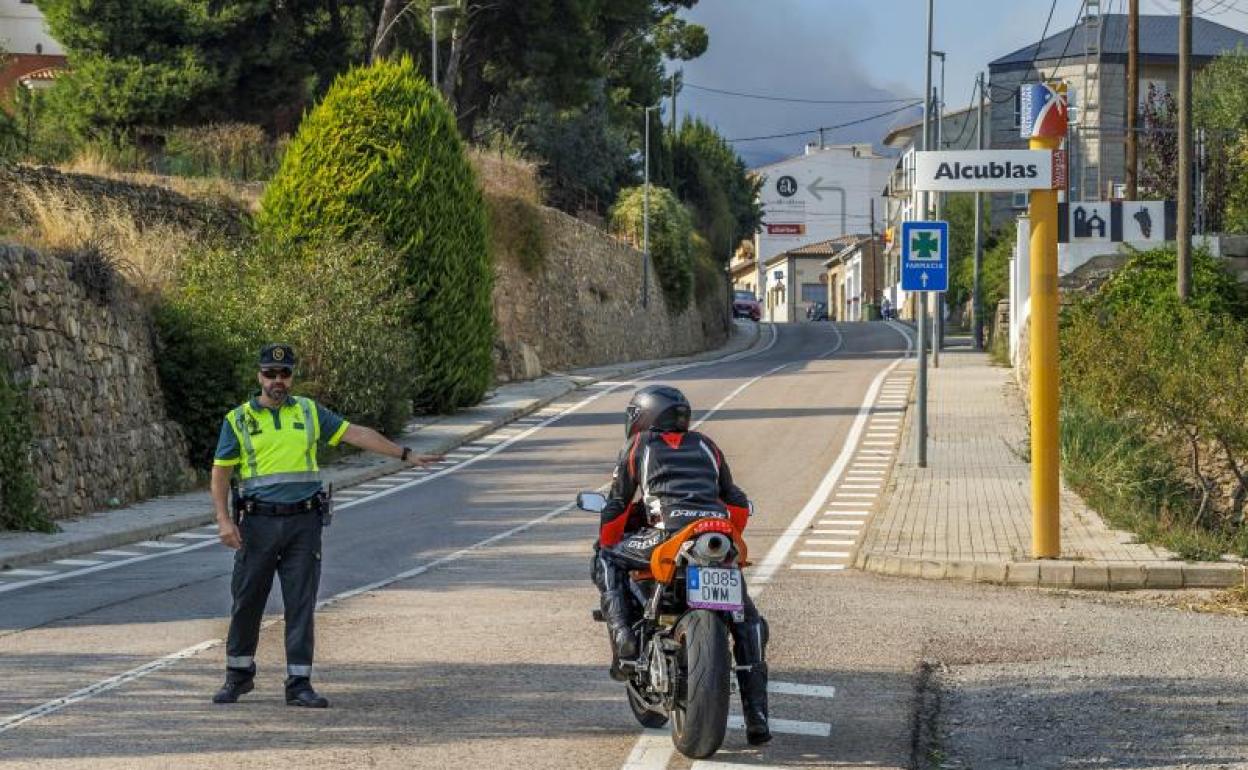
pixel 660 407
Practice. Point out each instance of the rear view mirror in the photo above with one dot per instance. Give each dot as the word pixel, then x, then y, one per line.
pixel 591 501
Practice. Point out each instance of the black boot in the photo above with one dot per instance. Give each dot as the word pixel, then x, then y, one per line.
pixel 299 692
pixel 238 682
pixel 616 610
pixel 750 649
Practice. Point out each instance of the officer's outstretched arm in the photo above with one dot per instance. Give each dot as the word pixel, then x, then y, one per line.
pixel 371 440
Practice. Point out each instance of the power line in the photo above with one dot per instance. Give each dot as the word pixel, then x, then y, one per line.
pixel 965 121
pixel 828 128
pixel 795 99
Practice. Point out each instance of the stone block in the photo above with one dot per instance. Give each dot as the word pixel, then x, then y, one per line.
pixel 1163 576
pixel 1023 574
pixel 960 570
pixel 910 568
pixel 1212 575
pixel 1057 574
pixel 933 570
pixel 991 573
pixel 1125 577
pixel 1091 576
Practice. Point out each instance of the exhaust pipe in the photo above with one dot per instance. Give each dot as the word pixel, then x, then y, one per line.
pixel 711 547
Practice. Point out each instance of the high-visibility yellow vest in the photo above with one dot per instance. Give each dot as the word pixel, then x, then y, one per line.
pixel 272 456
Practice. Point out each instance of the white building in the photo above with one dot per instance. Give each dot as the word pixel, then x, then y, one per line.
pixel 826 193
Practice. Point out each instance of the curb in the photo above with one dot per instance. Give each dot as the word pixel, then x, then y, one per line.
pixel 189 520
pixel 1086 575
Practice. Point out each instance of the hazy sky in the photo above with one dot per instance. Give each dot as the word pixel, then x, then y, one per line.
pixel 861 49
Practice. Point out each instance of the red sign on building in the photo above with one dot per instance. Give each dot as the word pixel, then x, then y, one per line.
pixel 786 229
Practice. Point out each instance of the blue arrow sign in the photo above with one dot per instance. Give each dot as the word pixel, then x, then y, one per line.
pixel 925 256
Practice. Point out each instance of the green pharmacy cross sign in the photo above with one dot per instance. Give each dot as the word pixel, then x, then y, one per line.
pixel 925 256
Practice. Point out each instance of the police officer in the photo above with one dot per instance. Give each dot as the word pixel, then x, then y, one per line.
pixel 271 440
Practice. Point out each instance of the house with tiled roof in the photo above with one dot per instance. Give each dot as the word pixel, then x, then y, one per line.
pixel 29 56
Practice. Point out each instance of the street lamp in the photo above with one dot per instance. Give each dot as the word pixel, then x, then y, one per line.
pixel 433 17
pixel 645 219
pixel 938 337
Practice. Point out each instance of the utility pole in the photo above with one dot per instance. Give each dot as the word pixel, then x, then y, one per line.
pixel 1133 93
pixel 938 339
pixel 922 373
pixel 433 38
pixel 875 279
pixel 977 312
pixel 645 219
pixel 1185 150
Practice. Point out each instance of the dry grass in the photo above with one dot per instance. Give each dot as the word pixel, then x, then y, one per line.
pixel 505 175
pixel 58 219
pixel 211 190
pixel 1232 601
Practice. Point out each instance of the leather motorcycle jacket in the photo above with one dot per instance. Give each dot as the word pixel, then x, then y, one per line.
pixel 677 474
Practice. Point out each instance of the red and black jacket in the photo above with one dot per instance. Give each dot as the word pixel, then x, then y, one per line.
pixel 671 471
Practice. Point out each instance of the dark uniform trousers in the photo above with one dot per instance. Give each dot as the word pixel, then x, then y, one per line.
pixel 290 546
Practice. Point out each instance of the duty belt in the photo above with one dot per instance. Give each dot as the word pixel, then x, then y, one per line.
pixel 257 508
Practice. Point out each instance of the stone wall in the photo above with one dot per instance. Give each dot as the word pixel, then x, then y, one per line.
pixel 145 203
pixel 582 307
pixel 102 436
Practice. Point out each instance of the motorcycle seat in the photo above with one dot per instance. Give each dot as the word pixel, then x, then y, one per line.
pixel 635 549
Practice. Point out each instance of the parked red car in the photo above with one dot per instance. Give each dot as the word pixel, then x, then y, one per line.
pixel 746 305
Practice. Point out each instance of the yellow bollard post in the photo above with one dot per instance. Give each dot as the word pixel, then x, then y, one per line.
pixel 1045 462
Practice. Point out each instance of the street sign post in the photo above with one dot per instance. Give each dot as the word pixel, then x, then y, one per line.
pixel 1043 124
pixel 925 256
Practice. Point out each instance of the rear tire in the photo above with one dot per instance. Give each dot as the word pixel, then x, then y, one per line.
pixel 645 716
pixel 700 718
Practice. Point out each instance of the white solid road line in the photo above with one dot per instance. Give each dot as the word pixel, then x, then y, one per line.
pixel 794 688
pixel 653 750
pixel 823 554
pixel 862 495
pixel 823 567
pixel 78 562
pixel 788 726
pixel 195 536
pixel 118 553
pixel 157 544
pixel 844 505
pixel 860 486
pixel 834 531
pixel 823 541
pixel 25 572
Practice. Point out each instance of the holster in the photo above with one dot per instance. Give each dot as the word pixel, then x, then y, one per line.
pixel 236 503
pixel 325 499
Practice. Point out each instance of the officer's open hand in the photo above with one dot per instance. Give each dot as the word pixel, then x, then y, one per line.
pixel 229 534
pixel 420 461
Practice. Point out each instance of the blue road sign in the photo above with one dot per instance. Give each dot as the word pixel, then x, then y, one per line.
pixel 925 256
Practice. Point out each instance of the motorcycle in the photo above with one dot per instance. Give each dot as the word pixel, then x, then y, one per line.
pixel 685 573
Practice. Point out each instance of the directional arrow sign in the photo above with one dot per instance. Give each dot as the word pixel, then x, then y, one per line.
pixel 925 256
pixel 817 186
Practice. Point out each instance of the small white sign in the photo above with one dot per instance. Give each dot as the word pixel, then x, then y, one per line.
pixel 984 170
pixel 1090 221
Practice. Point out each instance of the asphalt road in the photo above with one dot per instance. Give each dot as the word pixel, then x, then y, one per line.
pixel 457 632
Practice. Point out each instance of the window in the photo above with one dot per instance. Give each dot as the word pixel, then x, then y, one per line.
pixel 1020 199
pixel 814 292
pixel 1072 106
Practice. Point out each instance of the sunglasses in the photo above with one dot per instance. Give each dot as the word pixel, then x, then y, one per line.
pixel 276 374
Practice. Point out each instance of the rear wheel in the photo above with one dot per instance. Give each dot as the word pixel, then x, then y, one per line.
pixel 645 716
pixel 700 717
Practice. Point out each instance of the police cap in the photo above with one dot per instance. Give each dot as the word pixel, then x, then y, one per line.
pixel 276 354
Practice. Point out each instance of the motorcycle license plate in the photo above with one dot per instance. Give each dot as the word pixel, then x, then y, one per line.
pixel 715 588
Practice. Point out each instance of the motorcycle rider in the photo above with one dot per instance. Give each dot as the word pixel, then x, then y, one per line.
pixel 674 467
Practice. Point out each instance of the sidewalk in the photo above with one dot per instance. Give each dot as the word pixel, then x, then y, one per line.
pixel 967 516
pixel 429 435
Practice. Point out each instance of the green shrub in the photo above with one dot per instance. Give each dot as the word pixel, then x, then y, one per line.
pixel 708 286
pixel 19 494
pixel 671 239
pixel 341 305
pixel 381 154
pixel 1147 283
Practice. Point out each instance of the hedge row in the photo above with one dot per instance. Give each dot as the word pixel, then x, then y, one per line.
pixel 1169 379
